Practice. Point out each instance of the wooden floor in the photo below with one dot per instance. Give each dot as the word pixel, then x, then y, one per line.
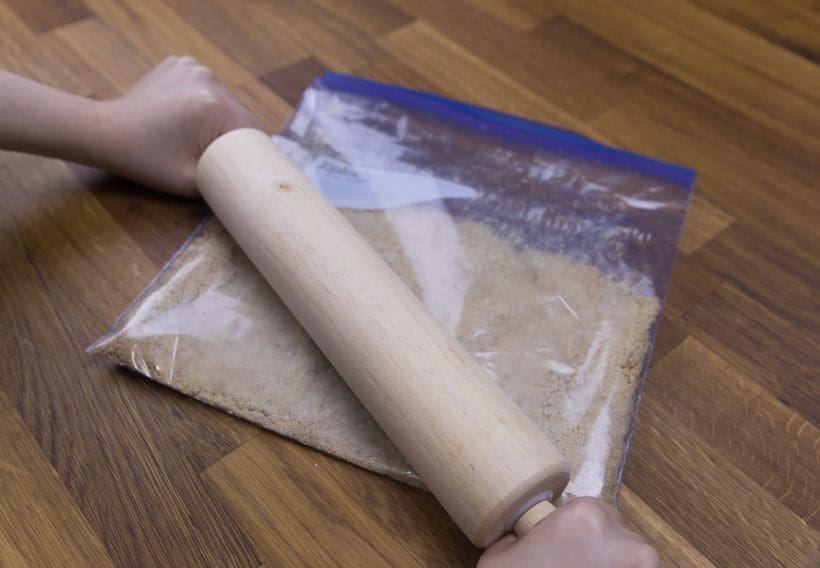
pixel 98 467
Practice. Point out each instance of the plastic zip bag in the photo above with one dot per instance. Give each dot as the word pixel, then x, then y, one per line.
pixel 546 253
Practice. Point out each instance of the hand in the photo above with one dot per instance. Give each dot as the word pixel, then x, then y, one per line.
pixel 160 127
pixel 585 533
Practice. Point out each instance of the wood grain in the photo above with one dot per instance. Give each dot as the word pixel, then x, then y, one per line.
pixel 39 521
pixel 303 507
pixel 45 15
pixel 5 401
pixel 755 432
pixel 693 496
pixel 291 81
pixel 675 550
pixel 724 465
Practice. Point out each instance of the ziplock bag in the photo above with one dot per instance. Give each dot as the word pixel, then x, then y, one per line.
pixel 546 253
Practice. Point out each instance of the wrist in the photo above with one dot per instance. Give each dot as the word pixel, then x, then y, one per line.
pixel 99 139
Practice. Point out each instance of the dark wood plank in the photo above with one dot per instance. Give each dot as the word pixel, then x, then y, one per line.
pixel 304 507
pixel 709 501
pixel 773 351
pixel 788 24
pixel 136 209
pixel 672 547
pixel 121 448
pixel 45 15
pixel 765 83
pixel 749 170
pixel 780 278
pixel 519 15
pixel 458 73
pixel 40 524
pixel 704 221
pixel 5 401
pixel 254 38
pixel 388 69
pixel 690 284
pixel 745 423
pixel 373 17
pixel 669 336
pixel 560 59
pixel 291 81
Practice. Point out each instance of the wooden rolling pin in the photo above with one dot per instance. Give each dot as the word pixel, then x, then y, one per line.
pixel 488 464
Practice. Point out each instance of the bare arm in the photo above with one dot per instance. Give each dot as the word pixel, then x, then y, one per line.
pixel 38 119
pixel 153 134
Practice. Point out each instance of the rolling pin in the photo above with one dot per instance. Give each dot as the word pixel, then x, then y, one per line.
pixel 487 463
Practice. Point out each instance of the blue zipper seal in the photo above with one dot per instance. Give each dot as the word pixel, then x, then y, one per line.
pixel 510 127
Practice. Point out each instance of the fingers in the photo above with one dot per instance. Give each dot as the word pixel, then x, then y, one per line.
pixel 592 506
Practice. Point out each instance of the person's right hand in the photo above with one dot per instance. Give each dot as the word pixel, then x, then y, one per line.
pixel 161 126
pixel 584 533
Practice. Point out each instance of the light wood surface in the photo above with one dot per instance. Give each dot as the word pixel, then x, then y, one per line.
pixel 723 468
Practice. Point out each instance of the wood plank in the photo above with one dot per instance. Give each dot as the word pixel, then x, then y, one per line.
pixel 5 401
pixel 690 284
pixel 773 351
pixel 373 17
pixel 341 44
pixel 520 15
pixel 767 84
pixel 15 32
pixel 388 69
pixel 157 31
pixel 710 502
pixel 40 525
pixel 243 32
pixel 669 336
pixel 781 279
pixel 125 457
pixel 136 210
pixel 743 168
pixel 34 58
pixel 108 53
pixel 704 221
pixel 272 109
pixel 755 432
pixel 739 163
pixel 567 64
pixel 302 507
pixel 45 15
pixel 458 73
pixel 291 81
pixel 674 550
pixel 9 552
pixel 787 24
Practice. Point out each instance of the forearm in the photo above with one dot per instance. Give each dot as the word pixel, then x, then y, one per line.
pixel 38 119
pixel 154 133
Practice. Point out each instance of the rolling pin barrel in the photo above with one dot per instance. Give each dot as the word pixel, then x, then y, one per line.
pixel 487 463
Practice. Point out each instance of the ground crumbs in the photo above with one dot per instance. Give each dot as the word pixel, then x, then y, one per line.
pixel 564 340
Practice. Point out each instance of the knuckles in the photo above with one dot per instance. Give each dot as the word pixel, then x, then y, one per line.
pixel 205 100
pixel 587 514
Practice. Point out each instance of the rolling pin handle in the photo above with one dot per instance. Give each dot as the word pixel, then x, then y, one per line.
pixel 532 517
